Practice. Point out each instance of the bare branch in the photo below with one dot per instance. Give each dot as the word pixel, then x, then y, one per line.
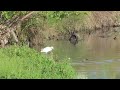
pixel 26 16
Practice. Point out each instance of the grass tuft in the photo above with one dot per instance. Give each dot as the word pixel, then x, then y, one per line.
pixel 24 63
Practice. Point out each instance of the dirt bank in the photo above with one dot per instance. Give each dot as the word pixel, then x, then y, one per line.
pixel 89 22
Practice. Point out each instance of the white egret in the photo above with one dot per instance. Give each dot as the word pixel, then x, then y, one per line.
pixel 47 49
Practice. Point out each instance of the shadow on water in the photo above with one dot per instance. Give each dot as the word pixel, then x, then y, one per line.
pixel 93 58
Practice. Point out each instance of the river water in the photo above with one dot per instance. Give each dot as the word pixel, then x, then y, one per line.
pixel 97 56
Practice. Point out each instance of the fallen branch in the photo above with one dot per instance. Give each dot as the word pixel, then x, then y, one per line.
pixel 10 31
pixel 28 15
pixel 11 25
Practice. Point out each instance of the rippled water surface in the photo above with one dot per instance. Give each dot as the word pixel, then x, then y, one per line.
pixel 95 57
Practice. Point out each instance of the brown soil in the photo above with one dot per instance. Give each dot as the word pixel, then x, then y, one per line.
pixel 35 38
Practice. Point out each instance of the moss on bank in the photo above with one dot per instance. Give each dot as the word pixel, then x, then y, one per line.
pixel 25 63
pixel 64 21
pixel 58 25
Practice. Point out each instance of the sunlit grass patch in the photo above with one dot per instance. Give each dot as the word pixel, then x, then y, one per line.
pixel 25 63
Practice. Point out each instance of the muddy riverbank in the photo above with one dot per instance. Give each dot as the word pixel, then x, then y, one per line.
pixel 53 25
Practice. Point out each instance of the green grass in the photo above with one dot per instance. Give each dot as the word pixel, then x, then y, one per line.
pixel 24 63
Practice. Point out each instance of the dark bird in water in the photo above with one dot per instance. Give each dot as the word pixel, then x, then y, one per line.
pixel 114 38
pixel 73 39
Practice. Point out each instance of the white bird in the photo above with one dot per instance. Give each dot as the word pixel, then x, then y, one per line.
pixel 47 49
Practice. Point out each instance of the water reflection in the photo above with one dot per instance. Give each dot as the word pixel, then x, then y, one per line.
pixel 93 58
